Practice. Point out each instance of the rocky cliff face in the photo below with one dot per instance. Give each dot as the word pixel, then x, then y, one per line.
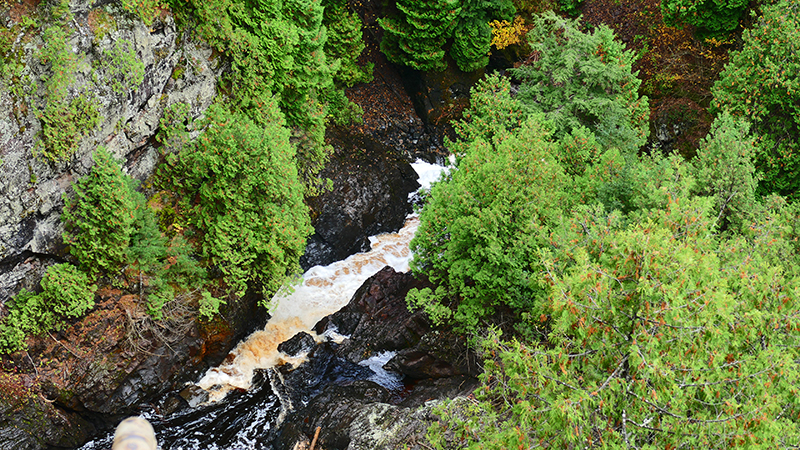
pixel 174 69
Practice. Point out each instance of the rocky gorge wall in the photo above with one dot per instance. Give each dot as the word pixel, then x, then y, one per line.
pixel 175 69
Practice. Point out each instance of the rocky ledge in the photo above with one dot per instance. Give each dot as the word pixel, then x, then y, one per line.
pixel 336 394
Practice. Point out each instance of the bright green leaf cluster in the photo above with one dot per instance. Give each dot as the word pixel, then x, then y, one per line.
pixel 66 293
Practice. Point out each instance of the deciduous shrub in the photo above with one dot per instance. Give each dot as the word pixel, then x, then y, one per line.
pixel 66 293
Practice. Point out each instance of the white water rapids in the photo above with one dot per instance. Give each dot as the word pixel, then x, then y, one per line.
pixel 323 291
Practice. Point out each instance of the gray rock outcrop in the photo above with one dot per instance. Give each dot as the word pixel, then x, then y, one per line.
pixel 175 69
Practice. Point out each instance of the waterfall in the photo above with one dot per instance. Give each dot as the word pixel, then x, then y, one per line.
pixel 252 404
pixel 322 291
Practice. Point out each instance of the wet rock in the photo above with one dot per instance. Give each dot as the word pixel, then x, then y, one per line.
pixel 359 414
pixel 418 364
pixel 423 391
pixel 371 184
pixel 193 395
pixel 323 368
pixel 377 318
pixel 440 97
pixel 301 342
pixel 388 427
pixel 333 411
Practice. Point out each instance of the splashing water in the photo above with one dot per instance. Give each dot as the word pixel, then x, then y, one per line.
pixel 323 291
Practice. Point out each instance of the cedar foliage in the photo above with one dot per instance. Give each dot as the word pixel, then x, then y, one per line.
pixel 279 49
pixel 241 193
pixel 761 84
pixel 584 79
pixel 655 301
pixel 418 34
pixel 99 218
pixel 66 293
pixel 713 17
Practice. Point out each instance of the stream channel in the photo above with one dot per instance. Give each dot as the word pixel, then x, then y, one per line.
pixel 242 407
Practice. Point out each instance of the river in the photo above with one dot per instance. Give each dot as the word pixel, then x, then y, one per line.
pixel 242 407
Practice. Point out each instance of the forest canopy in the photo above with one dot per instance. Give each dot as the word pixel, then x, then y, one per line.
pixel 654 299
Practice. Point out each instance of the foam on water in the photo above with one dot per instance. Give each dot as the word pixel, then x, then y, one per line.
pixel 428 173
pixel 323 291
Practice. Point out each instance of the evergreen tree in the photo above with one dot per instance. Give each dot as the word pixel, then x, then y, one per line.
pixel 277 50
pixel 762 84
pixel 345 43
pixel 584 80
pixel 417 35
pixel 243 197
pixel 99 219
pixel 480 230
pixel 472 39
pixel 714 17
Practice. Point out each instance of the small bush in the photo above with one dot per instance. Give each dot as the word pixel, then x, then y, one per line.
pixel 66 293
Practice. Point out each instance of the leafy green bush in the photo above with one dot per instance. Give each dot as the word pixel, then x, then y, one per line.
pixel 584 80
pixel 761 83
pixel 209 305
pixel 714 17
pixel 123 68
pixel 64 120
pixel 242 196
pixel 66 293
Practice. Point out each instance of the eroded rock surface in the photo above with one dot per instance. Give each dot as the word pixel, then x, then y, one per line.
pixel 351 410
pixel 371 185
pixel 176 69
